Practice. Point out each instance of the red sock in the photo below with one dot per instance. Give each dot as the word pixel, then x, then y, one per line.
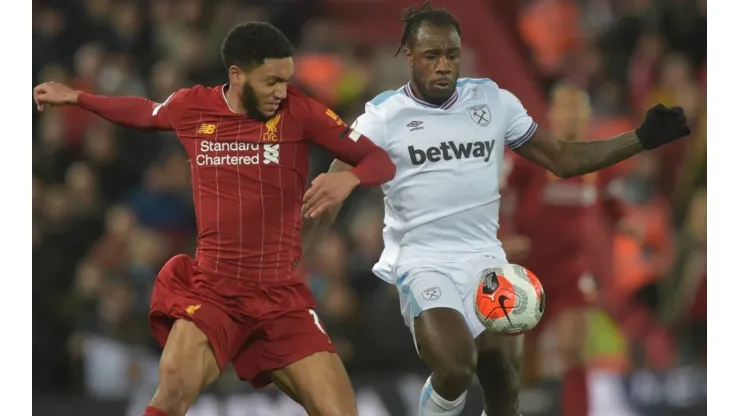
pixel 575 392
pixel 153 411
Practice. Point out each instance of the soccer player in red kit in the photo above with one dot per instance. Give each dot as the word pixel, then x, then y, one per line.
pixel 241 301
pixel 559 217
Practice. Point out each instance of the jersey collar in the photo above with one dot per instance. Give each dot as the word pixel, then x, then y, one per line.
pixel 444 106
pixel 223 94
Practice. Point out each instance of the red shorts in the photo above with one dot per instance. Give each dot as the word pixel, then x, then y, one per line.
pixel 257 334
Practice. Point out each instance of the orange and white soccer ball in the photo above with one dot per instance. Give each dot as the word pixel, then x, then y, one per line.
pixel 509 299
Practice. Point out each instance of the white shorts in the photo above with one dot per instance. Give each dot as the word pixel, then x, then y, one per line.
pixel 427 285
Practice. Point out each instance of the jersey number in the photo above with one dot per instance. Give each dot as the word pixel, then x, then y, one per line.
pixel 316 321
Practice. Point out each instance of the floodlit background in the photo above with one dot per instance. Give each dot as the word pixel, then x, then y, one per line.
pixel 110 205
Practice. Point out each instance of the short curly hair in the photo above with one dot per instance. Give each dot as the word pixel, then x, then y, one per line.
pixel 413 16
pixel 247 45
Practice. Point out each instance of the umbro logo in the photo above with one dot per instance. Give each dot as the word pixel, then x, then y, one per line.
pixel 415 125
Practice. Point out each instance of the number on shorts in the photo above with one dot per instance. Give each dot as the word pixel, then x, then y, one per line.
pixel 316 321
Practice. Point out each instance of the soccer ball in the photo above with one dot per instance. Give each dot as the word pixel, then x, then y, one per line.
pixel 509 299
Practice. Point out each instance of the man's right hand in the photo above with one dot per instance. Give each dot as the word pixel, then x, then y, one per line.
pixel 54 93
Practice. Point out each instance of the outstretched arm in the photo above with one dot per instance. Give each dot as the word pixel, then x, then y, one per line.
pixel 133 112
pixel 566 159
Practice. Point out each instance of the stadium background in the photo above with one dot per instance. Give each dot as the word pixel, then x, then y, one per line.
pixel 111 205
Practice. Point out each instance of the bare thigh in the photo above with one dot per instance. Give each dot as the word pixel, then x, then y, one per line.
pixel 319 383
pixel 187 366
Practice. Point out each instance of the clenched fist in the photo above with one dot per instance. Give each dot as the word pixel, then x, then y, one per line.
pixel 54 93
pixel 662 125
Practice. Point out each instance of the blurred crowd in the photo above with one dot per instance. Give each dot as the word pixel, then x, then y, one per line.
pixel 110 205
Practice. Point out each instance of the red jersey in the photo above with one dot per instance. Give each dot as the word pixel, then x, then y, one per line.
pixel 559 216
pixel 248 176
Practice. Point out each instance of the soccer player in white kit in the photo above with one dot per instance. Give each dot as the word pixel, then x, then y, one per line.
pixel 447 136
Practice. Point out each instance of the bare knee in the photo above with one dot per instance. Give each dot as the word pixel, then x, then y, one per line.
pixel 454 364
pixel 446 346
pixel 186 367
pixel 177 388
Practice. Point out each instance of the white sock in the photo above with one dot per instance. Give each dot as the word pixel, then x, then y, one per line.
pixel 432 404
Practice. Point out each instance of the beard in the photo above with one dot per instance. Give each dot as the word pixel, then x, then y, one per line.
pixel 251 103
pixel 428 95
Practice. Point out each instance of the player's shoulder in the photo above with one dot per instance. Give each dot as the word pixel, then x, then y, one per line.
pixel 385 104
pixel 295 93
pixel 466 83
pixel 197 97
pixel 470 88
pixel 299 103
pixel 387 100
pixel 200 91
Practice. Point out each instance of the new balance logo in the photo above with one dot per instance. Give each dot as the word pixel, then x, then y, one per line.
pixel 206 129
pixel 415 125
pixel 451 150
pixel 271 153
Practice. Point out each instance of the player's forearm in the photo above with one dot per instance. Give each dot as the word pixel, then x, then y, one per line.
pixel 309 232
pixel 375 168
pixel 327 218
pixel 314 227
pixel 133 112
pixel 579 158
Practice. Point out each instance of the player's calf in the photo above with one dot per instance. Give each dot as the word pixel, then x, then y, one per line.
pixel 571 328
pixel 187 366
pixel 446 346
pixel 499 363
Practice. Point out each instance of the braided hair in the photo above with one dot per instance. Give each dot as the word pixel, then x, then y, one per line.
pixel 413 16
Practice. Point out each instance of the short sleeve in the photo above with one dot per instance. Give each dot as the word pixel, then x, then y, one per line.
pixel 371 125
pixel 520 126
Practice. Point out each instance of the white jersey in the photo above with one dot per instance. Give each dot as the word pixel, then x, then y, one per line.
pixel 443 203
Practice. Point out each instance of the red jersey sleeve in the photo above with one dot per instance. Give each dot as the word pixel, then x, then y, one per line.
pixel 322 126
pixel 136 112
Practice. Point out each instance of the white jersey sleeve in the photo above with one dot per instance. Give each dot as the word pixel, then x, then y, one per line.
pixel 371 125
pixel 520 127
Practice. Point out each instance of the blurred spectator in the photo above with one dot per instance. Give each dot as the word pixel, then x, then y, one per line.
pixel 110 205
